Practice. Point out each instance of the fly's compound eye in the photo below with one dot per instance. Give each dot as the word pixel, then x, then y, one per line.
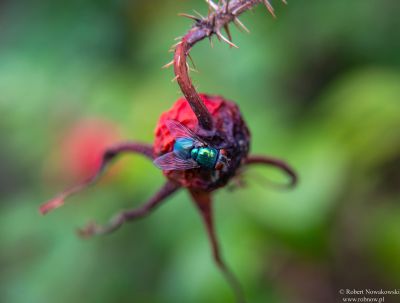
pixel 223 152
pixel 223 161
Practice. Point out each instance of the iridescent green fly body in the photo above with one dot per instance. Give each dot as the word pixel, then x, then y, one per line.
pixel 206 156
pixel 190 151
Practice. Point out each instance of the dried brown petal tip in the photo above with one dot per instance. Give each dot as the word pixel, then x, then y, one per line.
pixel 52 204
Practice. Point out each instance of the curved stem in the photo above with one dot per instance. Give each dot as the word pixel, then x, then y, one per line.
pixel 188 90
pixel 204 203
pixel 108 155
pixel 129 215
pixel 276 163
pixel 205 27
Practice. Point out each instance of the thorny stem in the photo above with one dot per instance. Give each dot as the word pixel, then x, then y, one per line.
pixel 254 159
pixel 204 203
pixel 108 155
pixel 220 18
pixel 93 229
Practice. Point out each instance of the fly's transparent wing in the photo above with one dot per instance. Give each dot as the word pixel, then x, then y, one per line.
pixel 172 161
pixel 178 130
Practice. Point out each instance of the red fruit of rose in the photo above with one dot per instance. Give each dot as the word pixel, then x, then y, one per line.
pixel 230 133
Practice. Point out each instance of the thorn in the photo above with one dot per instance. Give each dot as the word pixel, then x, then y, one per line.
pixel 239 9
pixel 198 14
pixel 212 5
pixel 178 38
pixel 240 25
pixel 189 16
pixel 168 64
pixel 172 48
pixel 227 7
pixel 284 2
pixel 270 8
pixel 228 32
pixel 191 69
pixel 191 60
pixel 212 20
pixel 218 33
pixel 175 78
pixel 209 12
pixel 211 42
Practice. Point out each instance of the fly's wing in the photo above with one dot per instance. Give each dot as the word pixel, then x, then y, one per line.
pixel 178 130
pixel 172 161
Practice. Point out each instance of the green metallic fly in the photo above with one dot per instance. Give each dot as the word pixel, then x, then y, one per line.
pixel 190 151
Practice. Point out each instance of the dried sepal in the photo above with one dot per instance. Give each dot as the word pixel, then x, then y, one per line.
pixel 274 162
pixel 108 155
pixel 128 215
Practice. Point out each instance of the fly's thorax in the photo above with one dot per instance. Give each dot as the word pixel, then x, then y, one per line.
pixel 194 153
pixel 205 156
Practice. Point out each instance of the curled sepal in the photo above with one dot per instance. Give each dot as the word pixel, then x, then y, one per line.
pixel 108 155
pixel 128 215
pixel 275 163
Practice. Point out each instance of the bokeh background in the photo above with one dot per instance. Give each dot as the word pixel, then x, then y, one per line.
pixel 319 87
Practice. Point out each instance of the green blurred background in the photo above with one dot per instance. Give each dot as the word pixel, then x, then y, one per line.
pixel 319 87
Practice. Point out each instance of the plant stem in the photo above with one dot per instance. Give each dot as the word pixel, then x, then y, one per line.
pixel 220 18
